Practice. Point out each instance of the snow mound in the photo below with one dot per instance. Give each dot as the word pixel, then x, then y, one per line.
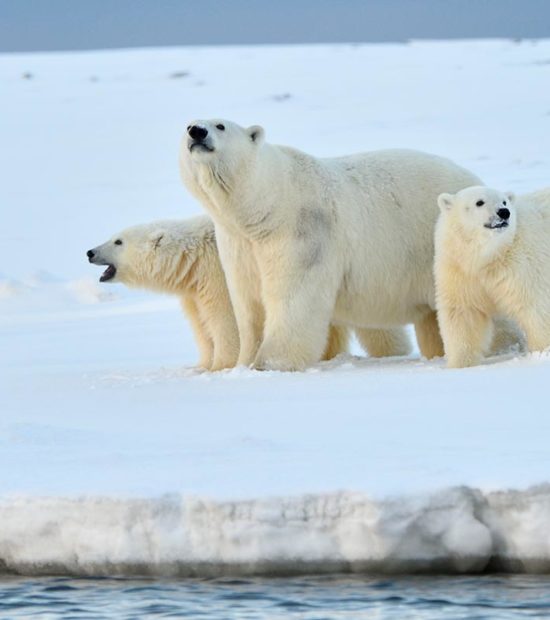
pixel 459 530
pixel 10 288
pixel 88 291
pixel 41 277
pixel 45 291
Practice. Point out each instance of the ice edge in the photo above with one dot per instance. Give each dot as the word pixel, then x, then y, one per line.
pixel 459 530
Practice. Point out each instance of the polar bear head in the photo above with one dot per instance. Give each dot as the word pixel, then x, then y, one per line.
pixel 480 212
pixel 156 256
pixel 223 147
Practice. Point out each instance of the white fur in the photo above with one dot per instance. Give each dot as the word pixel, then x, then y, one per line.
pixel 304 240
pixel 482 271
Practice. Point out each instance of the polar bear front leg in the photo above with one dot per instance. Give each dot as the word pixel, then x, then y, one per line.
pixel 249 316
pixel 226 340
pixel 298 310
pixel 243 283
pixel 466 333
pixel 203 340
pixel 216 315
pixel 463 313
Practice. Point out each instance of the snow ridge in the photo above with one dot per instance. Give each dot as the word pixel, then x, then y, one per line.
pixel 459 530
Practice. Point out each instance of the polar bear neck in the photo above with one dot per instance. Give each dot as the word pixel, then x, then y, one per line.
pixel 236 193
pixel 470 250
pixel 172 269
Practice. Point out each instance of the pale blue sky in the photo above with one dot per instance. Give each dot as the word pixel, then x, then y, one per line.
pixel 27 25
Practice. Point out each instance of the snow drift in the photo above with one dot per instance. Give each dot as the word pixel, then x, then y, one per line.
pixel 460 530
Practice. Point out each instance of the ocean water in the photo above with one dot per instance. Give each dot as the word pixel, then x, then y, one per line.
pixel 484 597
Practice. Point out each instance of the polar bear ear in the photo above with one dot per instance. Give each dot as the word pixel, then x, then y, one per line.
pixel 510 197
pixel 256 133
pixel 445 202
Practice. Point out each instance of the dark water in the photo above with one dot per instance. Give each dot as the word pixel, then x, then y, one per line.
pixel 484 597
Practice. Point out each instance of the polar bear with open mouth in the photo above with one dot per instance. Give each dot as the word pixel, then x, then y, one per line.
pixel 178 257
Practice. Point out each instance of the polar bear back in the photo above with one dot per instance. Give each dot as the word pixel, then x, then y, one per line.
pixel 538 198
pixel 531 248
pixel 390 200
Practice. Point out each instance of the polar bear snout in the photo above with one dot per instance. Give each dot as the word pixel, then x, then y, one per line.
pixel 500 220
pixel 197 132
pixel 199 139
pixel 96 257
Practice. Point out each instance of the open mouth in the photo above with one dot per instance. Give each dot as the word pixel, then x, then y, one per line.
pixel 201 146
pixel 496 225
pixel 108 274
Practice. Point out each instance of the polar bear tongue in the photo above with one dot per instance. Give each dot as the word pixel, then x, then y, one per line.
pixel 108 273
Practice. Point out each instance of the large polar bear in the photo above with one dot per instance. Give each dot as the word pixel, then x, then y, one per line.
pixel 180 257
pixel 492 258
pixel 304 240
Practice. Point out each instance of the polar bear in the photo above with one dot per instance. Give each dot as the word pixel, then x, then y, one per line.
pixel 492 257
pixel 305 241
pixel 180 257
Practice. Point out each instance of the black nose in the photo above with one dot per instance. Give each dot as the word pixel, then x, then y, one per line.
pixel 503 213
pixel 90 254
pixel 197 132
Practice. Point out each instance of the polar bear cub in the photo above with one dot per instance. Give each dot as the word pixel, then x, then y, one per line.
pixel 492 257
pixel 180 257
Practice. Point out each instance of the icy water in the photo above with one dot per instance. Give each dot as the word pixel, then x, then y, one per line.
pixel 483 597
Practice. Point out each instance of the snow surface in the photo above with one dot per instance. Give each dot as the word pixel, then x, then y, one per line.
pixel 117 456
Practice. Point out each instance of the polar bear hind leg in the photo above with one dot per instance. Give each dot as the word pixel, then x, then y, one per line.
pixel 428 336
pixel 337 343
pixel 384 342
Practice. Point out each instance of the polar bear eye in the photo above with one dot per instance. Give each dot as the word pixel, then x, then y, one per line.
pixel 118 242
pixel 504 202
pixel 220 127
pixel 479 203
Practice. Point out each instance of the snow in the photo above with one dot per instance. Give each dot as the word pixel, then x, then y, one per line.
pixel 117 454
